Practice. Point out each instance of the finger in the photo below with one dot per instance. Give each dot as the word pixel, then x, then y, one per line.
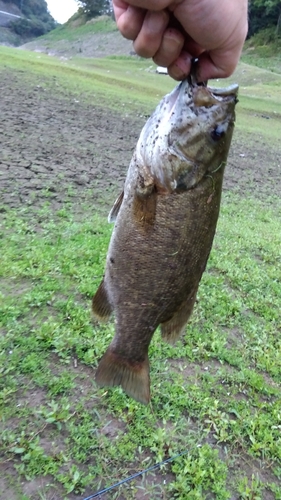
pixel 130 21
pixel 150 36
pixel 119 8
pixel 156 5
pixel 192 47
pixel 170 48
pixel 216 64
pixel 180 69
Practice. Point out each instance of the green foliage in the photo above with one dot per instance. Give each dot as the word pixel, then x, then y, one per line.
pixel 38 20
pixel 264 14
pixel 29 27
pixel 95 8
pixel 264 50
pixel 199 474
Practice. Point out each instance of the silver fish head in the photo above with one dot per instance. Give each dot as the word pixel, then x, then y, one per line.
pixel 188 135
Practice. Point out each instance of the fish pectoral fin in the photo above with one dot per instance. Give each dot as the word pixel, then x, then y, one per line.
pixel 101 306
pixel 144 208
pixel 172 329
pixel 133 377
pixel 112 216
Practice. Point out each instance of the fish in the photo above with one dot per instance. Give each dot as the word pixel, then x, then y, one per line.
pixel 164 224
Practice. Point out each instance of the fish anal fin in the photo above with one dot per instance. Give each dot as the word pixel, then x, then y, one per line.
pixel 112 216
pixel 133 377
pixel 172 329
pixel 101 306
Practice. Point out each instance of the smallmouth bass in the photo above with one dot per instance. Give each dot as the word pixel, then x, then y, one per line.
pixel 165 222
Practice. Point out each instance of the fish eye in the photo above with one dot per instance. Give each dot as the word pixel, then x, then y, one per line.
pixel 218 133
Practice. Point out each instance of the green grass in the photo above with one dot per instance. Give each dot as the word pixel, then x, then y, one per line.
pixel 132 86
pixel 70 34
pixel 217 388
pixel 108 80
pixel 264 50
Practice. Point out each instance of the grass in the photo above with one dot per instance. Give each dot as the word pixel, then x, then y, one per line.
pixel 263 50
pixel 216 393
pixel 112 80
pixel 68 33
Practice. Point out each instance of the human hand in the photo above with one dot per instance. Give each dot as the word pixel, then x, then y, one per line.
pixel 173 32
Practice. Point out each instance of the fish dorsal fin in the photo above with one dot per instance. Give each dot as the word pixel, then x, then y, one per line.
pixel 116 207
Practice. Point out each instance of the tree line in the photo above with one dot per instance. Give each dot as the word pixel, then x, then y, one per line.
pixel 262 13
pixel 37 20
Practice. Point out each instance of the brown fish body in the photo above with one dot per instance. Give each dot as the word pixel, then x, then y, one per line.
pixel 159 248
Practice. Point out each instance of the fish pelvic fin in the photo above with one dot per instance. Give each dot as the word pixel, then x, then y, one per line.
pixel 101 306
pixel 112 216
pixel 173 328
pixel 133 377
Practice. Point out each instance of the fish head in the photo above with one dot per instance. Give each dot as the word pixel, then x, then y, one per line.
pixel 188 136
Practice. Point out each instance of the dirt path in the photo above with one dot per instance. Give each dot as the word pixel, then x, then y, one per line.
pixel 54 148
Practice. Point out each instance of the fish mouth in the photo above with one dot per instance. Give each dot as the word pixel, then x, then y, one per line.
pixel 231 90
pixel 189 91
pixel 222 93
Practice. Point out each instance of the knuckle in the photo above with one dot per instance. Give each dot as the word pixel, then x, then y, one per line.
pixel 143 50
pixel 128 29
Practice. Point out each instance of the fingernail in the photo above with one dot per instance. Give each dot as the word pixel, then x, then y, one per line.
pixel 177 73
pixel 172 41
pixel 173 35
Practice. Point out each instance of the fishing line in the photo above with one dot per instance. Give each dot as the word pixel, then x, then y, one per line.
pixel 137 474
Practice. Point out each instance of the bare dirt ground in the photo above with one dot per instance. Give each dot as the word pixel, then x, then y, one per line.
pixel 54 148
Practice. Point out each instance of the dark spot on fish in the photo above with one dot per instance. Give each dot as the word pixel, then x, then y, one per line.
pixel 218 133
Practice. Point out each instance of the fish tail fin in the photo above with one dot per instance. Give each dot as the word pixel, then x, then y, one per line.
pixel 133 377
pixel 101 306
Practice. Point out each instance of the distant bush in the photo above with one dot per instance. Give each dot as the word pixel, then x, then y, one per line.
pixel 95 8
pixel 264 14
pixel 38 20
pixel 265 37
pixel 30 27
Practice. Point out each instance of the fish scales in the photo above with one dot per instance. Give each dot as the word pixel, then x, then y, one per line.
pixel 165 224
